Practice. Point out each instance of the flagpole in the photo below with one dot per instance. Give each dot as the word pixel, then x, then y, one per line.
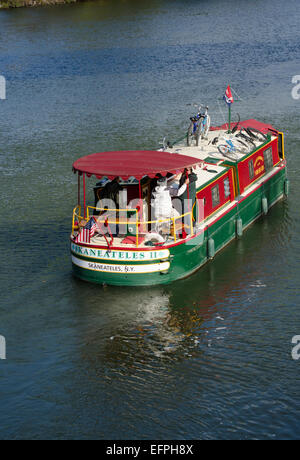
pixel 229 100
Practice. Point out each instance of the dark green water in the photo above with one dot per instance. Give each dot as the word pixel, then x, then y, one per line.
pixel 208 357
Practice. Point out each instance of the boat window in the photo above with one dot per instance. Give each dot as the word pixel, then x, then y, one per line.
pixel 215 196
pixel 280 145
pixel 251 169
pixel 268 156
pixel 227 187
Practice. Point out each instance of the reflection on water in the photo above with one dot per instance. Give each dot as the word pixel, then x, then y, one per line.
pixel 164 360
pixel 177 322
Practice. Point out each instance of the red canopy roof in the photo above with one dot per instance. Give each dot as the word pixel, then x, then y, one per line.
pixel 136 163
pixel 263 127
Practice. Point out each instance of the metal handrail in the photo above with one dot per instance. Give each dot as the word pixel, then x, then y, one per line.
pixel 76 214
pixel 137 222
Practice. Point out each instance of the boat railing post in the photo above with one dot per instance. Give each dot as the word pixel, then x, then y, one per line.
pixel 174 228
pixel 192 226
pixel 73 221
pixel 76 213
pixel 137 228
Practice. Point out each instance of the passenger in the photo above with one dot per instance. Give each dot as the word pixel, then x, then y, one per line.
pixel 154 183
pixel 191 191
pixel 177 190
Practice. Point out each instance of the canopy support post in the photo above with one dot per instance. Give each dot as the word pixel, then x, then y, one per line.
pixel 78 195
pixel 140 204
pixel 84 197
pixel 188 190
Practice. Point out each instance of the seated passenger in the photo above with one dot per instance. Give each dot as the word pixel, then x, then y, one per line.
pixel 111 191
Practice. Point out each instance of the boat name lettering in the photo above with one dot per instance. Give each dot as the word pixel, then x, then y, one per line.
pixel 119 255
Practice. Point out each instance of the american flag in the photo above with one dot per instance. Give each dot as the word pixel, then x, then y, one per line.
pixel 87 232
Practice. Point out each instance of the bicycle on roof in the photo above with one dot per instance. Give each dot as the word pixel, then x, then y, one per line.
pixel 199 126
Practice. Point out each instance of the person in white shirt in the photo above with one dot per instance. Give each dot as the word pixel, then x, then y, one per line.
pixel 176 191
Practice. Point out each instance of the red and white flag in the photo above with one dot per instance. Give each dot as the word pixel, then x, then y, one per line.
pixel 228 98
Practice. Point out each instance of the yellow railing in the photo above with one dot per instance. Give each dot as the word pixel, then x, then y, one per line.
pixel 76 215
pixel 135 221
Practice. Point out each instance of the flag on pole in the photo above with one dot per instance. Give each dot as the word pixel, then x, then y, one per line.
pixel 228 98
pixel 87 232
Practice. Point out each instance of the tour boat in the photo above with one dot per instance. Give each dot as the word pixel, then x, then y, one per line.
pixel 141 240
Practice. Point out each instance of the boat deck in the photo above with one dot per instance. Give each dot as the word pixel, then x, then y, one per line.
pixel 209 153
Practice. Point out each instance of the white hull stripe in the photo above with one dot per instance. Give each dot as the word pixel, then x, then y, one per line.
pixel 121 269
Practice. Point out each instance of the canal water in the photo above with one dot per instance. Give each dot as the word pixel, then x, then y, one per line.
pixel 204 358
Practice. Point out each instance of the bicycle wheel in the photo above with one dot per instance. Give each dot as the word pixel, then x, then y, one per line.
pixel 206 127
pixel 190 135
pixel 245 137
pixel 199 131
pixel 235 128
pixel 202 129
pixel 256 134
pixel 223 149
pixel 242 146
